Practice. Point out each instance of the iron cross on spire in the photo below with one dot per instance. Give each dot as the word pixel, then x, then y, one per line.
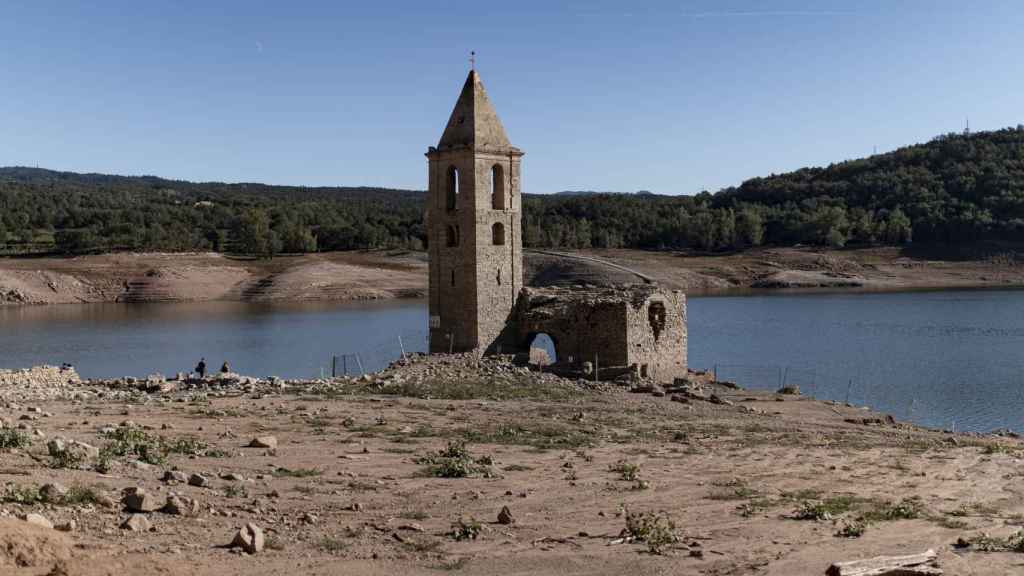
pixel 472 60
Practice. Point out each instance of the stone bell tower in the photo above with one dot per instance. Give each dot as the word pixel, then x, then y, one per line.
pixel 474 227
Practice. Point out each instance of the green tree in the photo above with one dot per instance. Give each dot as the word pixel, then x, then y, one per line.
pixel 76 241
pixel 296 238
pixel 750 227
pixel 251 233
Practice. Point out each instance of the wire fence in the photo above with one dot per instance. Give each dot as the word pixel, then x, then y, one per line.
pixel 377 355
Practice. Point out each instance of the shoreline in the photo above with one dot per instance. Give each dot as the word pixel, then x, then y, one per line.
pixel 384 275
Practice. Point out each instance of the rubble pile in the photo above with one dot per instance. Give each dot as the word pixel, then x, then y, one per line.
pixel 39 383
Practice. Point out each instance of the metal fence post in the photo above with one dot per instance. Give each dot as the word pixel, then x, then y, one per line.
pixel 334 366
pixel 359 362
pixel 402 346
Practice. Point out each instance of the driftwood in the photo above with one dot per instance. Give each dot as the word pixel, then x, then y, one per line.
pixel 922 564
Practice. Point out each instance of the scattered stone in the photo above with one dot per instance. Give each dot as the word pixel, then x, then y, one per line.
pixel 53 492
pixel 137 523
pixel 181 506
pixel 139 500
pixel 37 519
pixel 790 390
pixel 249 538
pixel 715 399
pixel 198 480
pixel 263 442
pixel 175 476
pixel 67 526
pixel 505 516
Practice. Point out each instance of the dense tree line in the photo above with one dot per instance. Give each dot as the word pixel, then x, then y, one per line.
pixel 82 213
pixel 958 188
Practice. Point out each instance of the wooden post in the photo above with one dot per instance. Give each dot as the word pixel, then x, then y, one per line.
pixel 402 346
pixel 595 366
pixel 334 366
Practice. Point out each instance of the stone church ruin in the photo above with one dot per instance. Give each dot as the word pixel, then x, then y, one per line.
pixel 477 298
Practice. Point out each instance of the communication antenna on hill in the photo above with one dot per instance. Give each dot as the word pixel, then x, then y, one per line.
pixel 874 150
pixel 967 126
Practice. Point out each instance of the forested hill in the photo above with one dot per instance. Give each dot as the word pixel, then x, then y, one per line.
pixel 955 189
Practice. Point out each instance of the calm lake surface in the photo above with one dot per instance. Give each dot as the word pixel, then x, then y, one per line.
pixel 944 359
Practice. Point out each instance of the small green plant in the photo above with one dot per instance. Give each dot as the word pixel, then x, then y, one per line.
pixel 27 495
pixel 754 506
pixel 852 529
pixel 236 491
pixel 466 529
pixel 627 471
pixel 64 455
pixel 657 530
pixel 455 461
pixel 951 523
pixel 136 442
pixel 79 495
pixel 332 545
pixel 986 543
pixel 11 438
pixel 906 509
pixel 991 449
pixel 825 509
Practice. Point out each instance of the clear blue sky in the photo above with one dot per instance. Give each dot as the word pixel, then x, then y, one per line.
pixel 671 97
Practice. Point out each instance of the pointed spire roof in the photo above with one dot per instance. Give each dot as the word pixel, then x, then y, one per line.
pixel 474 123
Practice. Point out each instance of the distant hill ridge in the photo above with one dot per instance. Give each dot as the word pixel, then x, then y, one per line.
pixel 957 188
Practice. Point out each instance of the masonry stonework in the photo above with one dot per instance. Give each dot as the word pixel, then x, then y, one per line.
pixel 477 299
pixel 639 329
pixel 474 221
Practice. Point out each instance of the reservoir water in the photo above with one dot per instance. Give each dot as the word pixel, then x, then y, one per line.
pixel 944 359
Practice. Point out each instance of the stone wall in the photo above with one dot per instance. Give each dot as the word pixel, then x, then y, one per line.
pixel 656 336
pixel 640 328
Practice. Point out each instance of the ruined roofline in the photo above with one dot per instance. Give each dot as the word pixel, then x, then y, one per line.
pixel 559 296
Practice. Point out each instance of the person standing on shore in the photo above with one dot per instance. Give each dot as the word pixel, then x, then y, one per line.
pixel 201 368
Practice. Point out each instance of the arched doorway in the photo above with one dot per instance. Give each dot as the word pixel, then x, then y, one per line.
pixel 543 350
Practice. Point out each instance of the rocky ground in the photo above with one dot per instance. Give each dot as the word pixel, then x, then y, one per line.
pixel 450 464
pixel 399 274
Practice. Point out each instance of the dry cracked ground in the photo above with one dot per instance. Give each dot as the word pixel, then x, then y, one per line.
pixel 409 476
